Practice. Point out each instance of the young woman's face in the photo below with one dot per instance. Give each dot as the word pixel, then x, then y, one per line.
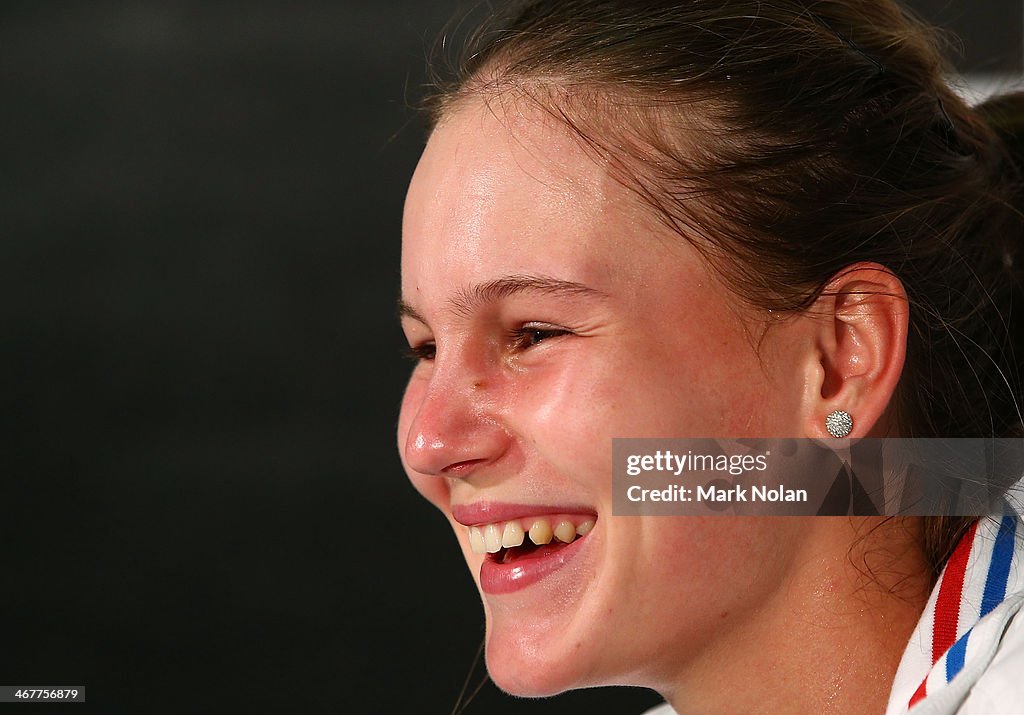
pixel 553 313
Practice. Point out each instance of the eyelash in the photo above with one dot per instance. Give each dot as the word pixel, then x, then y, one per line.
pixel 521 339
pixel 420 353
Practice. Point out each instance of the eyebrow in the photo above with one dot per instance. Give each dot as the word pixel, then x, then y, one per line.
pixel 467 300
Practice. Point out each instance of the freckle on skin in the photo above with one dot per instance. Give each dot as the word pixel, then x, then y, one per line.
pixel 723 614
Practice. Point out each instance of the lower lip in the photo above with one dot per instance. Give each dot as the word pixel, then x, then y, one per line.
pixel 497 579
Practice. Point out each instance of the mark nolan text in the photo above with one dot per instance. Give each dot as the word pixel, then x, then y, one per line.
pixel 712 492
pixel 715 493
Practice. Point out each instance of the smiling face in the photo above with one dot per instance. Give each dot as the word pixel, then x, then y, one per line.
pixel 553 313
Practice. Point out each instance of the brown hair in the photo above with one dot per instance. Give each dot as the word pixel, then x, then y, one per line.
pixel 787 140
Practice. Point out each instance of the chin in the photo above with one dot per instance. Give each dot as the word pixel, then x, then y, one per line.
pixel 532 655
pixel 530 670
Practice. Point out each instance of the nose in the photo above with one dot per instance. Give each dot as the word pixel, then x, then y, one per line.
pixel 455 430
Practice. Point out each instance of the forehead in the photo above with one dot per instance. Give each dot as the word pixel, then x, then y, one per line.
pixel 485 151
pixel 507 188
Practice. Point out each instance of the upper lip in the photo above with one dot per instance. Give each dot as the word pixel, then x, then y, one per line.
pixel 489 512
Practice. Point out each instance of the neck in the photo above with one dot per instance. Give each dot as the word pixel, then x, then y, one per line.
pixel 831 637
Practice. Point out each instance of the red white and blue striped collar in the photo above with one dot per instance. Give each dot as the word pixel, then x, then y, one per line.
pixel 979 591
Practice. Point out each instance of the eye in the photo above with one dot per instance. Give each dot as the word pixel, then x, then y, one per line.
pixel 531 335
pixel 421 353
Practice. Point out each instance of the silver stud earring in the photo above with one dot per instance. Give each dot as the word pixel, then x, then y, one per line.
pixel 839 423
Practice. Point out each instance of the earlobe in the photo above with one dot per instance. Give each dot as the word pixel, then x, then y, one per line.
pixel 860 340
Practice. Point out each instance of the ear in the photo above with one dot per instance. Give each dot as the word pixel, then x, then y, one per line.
pixel 860 342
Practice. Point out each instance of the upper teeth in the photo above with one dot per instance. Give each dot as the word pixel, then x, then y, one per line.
pixel 491 538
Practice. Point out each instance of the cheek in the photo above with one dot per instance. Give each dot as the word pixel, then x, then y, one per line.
pixel 606 393
pixel 563 413
pixel 716 570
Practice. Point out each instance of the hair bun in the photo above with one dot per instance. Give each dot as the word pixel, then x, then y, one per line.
pixel 1004 114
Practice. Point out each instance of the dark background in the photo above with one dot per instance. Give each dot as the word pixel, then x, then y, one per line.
pixel 202 505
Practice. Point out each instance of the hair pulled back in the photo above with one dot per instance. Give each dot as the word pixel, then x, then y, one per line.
pixel 788 140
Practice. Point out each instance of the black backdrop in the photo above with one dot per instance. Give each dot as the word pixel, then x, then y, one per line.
pixel 203 509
